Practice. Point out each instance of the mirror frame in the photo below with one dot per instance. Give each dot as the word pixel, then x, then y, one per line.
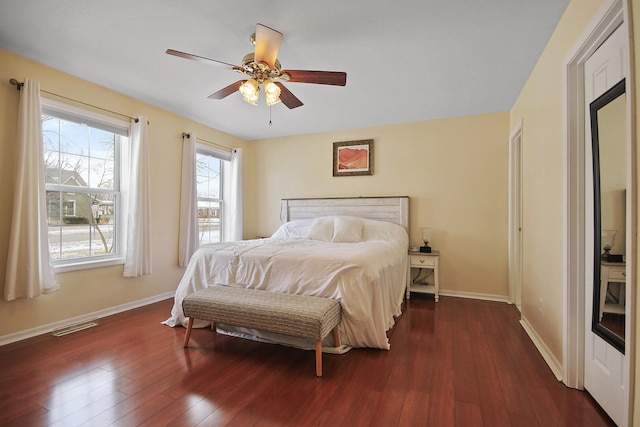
pixel 597 327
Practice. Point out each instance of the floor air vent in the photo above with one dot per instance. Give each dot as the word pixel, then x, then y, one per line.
pixel 73 328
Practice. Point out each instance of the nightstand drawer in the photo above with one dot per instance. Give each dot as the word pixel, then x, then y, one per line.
pixel 422 261
pixel 617 275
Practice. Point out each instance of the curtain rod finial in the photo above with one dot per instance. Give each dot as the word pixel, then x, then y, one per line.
pixel 16 83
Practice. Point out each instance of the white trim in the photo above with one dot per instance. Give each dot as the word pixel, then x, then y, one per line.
pixel 216 152
pixel 50 327
pixel 93 262
pixel 603 24
pixel 553 363
pixel 121 129
pixel 608 18
pixel 515 215
pixel 88 117
pixel 473 295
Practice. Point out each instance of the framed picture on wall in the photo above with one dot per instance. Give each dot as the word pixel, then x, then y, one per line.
pixel 351 158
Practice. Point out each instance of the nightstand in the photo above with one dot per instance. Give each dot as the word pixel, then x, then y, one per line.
pixel 613 277
pixel 423 264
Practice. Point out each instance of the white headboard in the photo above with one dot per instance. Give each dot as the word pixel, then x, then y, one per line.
pixel 393 209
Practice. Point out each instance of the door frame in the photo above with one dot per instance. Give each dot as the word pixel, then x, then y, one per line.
pixel 613 14
pixel 515 216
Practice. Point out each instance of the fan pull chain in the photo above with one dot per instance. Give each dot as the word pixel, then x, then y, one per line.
pixel 269 115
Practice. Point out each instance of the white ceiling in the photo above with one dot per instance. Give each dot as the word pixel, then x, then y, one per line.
pixel 406 61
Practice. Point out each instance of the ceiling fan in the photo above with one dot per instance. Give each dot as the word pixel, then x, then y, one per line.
pixel 262 67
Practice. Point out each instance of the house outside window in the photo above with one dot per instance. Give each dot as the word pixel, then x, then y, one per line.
pixel 82 156
pixel 209 184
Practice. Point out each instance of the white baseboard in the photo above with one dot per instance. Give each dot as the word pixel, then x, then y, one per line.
pixel 553 363
pixel 45 329
pixel 472 295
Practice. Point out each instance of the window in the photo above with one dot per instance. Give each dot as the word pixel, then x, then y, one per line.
pixel 82 160
pixel 209 171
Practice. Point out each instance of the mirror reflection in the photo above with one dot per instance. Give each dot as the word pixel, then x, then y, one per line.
pixel 608 132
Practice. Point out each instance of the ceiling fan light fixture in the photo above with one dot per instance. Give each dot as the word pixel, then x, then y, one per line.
pixel 262 66
pixel 271 92
pixel 250 91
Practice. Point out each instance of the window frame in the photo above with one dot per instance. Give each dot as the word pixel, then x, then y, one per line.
pixel 224 158
pixel 122 128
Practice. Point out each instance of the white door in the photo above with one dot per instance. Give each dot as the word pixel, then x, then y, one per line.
pixel 606 375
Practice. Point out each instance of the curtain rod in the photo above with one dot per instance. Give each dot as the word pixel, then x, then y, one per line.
pixel 19 85
pixel 188 135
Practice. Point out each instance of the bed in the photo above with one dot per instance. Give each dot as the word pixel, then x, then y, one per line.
pixel 350 249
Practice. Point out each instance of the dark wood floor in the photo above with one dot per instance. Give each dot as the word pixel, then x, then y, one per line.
pixel 457 362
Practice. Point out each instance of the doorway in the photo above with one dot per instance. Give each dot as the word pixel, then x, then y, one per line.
pixel 515 217
pixel 578 182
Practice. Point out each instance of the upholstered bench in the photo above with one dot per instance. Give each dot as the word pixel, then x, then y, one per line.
pixel 294 315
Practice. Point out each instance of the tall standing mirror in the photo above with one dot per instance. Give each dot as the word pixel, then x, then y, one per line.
pixel 609 143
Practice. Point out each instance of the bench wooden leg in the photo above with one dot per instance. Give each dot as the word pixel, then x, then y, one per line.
pixel 318 358
pixel 187 335
pixel 336 337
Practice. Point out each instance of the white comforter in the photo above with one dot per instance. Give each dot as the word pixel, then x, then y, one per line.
pixel 368 277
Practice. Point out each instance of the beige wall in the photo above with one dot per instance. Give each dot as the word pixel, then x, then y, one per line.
pixel 455 172
pixel 541 109
pixel 88 291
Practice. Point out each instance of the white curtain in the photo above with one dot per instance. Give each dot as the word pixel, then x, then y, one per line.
pixel 233 220
pixel 29 269
pixel 138 234
pixel 188 243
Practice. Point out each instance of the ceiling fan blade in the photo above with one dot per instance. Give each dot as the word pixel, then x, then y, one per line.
pixel 336 78
pixel 288 98
pixel 267 44
pixel 199 59
pixel 224 92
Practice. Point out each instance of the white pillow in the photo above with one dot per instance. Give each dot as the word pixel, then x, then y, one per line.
pixel 321 229
pixel 293 229
pixel 347 230
pixel 381 230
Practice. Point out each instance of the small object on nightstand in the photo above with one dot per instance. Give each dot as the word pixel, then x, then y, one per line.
pixel 426 238
pixel 608 237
